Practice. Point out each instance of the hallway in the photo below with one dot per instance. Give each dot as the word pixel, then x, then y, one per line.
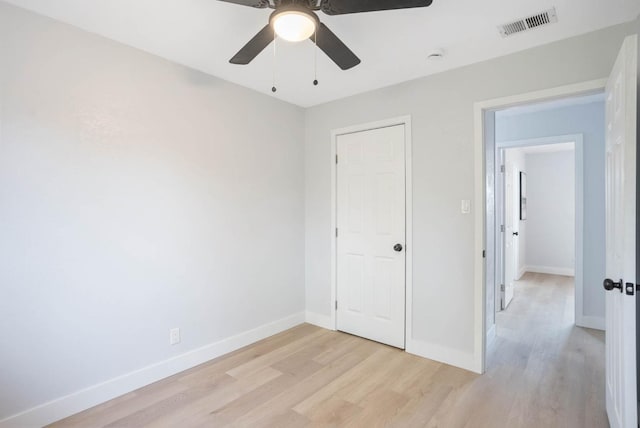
pixel 556 369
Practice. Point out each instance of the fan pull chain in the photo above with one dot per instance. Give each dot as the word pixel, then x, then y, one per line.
pixel 275 38
pixel 315 57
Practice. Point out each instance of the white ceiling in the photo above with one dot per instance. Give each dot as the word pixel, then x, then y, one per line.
pixel 393 45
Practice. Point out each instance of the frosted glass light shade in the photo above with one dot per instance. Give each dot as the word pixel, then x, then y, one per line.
pixel 294 26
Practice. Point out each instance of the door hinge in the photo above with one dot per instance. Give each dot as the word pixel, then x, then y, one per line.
pixel 336 159
pixel 501 287
pixel 484 254
pixel 502 228
pixel 336 232
pixel 501 168
pixel 336 305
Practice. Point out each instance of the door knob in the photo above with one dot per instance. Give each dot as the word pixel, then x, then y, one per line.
pixel 515 233
pixel 397 247
pixel 610 285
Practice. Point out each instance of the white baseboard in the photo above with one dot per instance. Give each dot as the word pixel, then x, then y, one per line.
pixel 453 357
pixel 319 320
pixel 551 270
pixel 81 400
pixel 521 272
pixel 596 323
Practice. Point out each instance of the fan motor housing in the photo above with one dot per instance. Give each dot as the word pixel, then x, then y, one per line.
pixel 293 8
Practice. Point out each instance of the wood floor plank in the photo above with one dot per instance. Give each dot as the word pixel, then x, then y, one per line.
pixel 334 412
pixel 387 404
pixel 120 407
pixel 356 375
pixel 288 399
pixel 163 409
pixel 247 369
pixel 287 419
pixel 543 371
pixel 244 355
pixel 230 412
pixel 422 407
pixel 216 398
pixel 356 392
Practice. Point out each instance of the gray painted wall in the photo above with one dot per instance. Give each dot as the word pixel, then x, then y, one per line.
pixel 588 120
pixel 441 107
pixel 551 212
pixel 136 195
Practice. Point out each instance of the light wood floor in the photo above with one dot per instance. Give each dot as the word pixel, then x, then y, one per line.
pixel 543 372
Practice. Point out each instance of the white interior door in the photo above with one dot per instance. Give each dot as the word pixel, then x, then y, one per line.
pixel 500 227
pixel 512 221
pixel 371 234
pixel 621 395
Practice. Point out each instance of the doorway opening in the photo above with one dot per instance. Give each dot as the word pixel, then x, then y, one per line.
pixel 536 211
pixel 618 242
pixel 536 155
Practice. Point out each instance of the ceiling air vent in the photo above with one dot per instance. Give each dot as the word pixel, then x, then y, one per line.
pixel 528 23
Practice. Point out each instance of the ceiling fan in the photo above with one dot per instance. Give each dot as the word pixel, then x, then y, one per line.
pixel 296 20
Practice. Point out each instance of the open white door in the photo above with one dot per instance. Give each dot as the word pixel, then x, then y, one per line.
pixel 371 234
pixel 621 395
pixel 500 228
pixel 511 242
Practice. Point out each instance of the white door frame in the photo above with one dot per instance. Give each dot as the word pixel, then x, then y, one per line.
pixel 402 120
pixel 479 110
pixel 578 147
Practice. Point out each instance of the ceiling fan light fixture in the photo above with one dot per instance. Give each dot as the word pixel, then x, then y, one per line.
pixel 294 24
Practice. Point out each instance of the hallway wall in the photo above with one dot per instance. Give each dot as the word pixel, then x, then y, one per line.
pixel 550 246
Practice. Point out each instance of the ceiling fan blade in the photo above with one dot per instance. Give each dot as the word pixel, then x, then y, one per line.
pixel 334 48
pixel 260 4
pixel 342 7
pixel 254 47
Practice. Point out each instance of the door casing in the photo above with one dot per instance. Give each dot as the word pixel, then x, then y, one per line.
pixel 402 120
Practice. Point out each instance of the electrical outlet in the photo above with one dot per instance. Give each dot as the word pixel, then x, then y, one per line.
pixel 174 336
